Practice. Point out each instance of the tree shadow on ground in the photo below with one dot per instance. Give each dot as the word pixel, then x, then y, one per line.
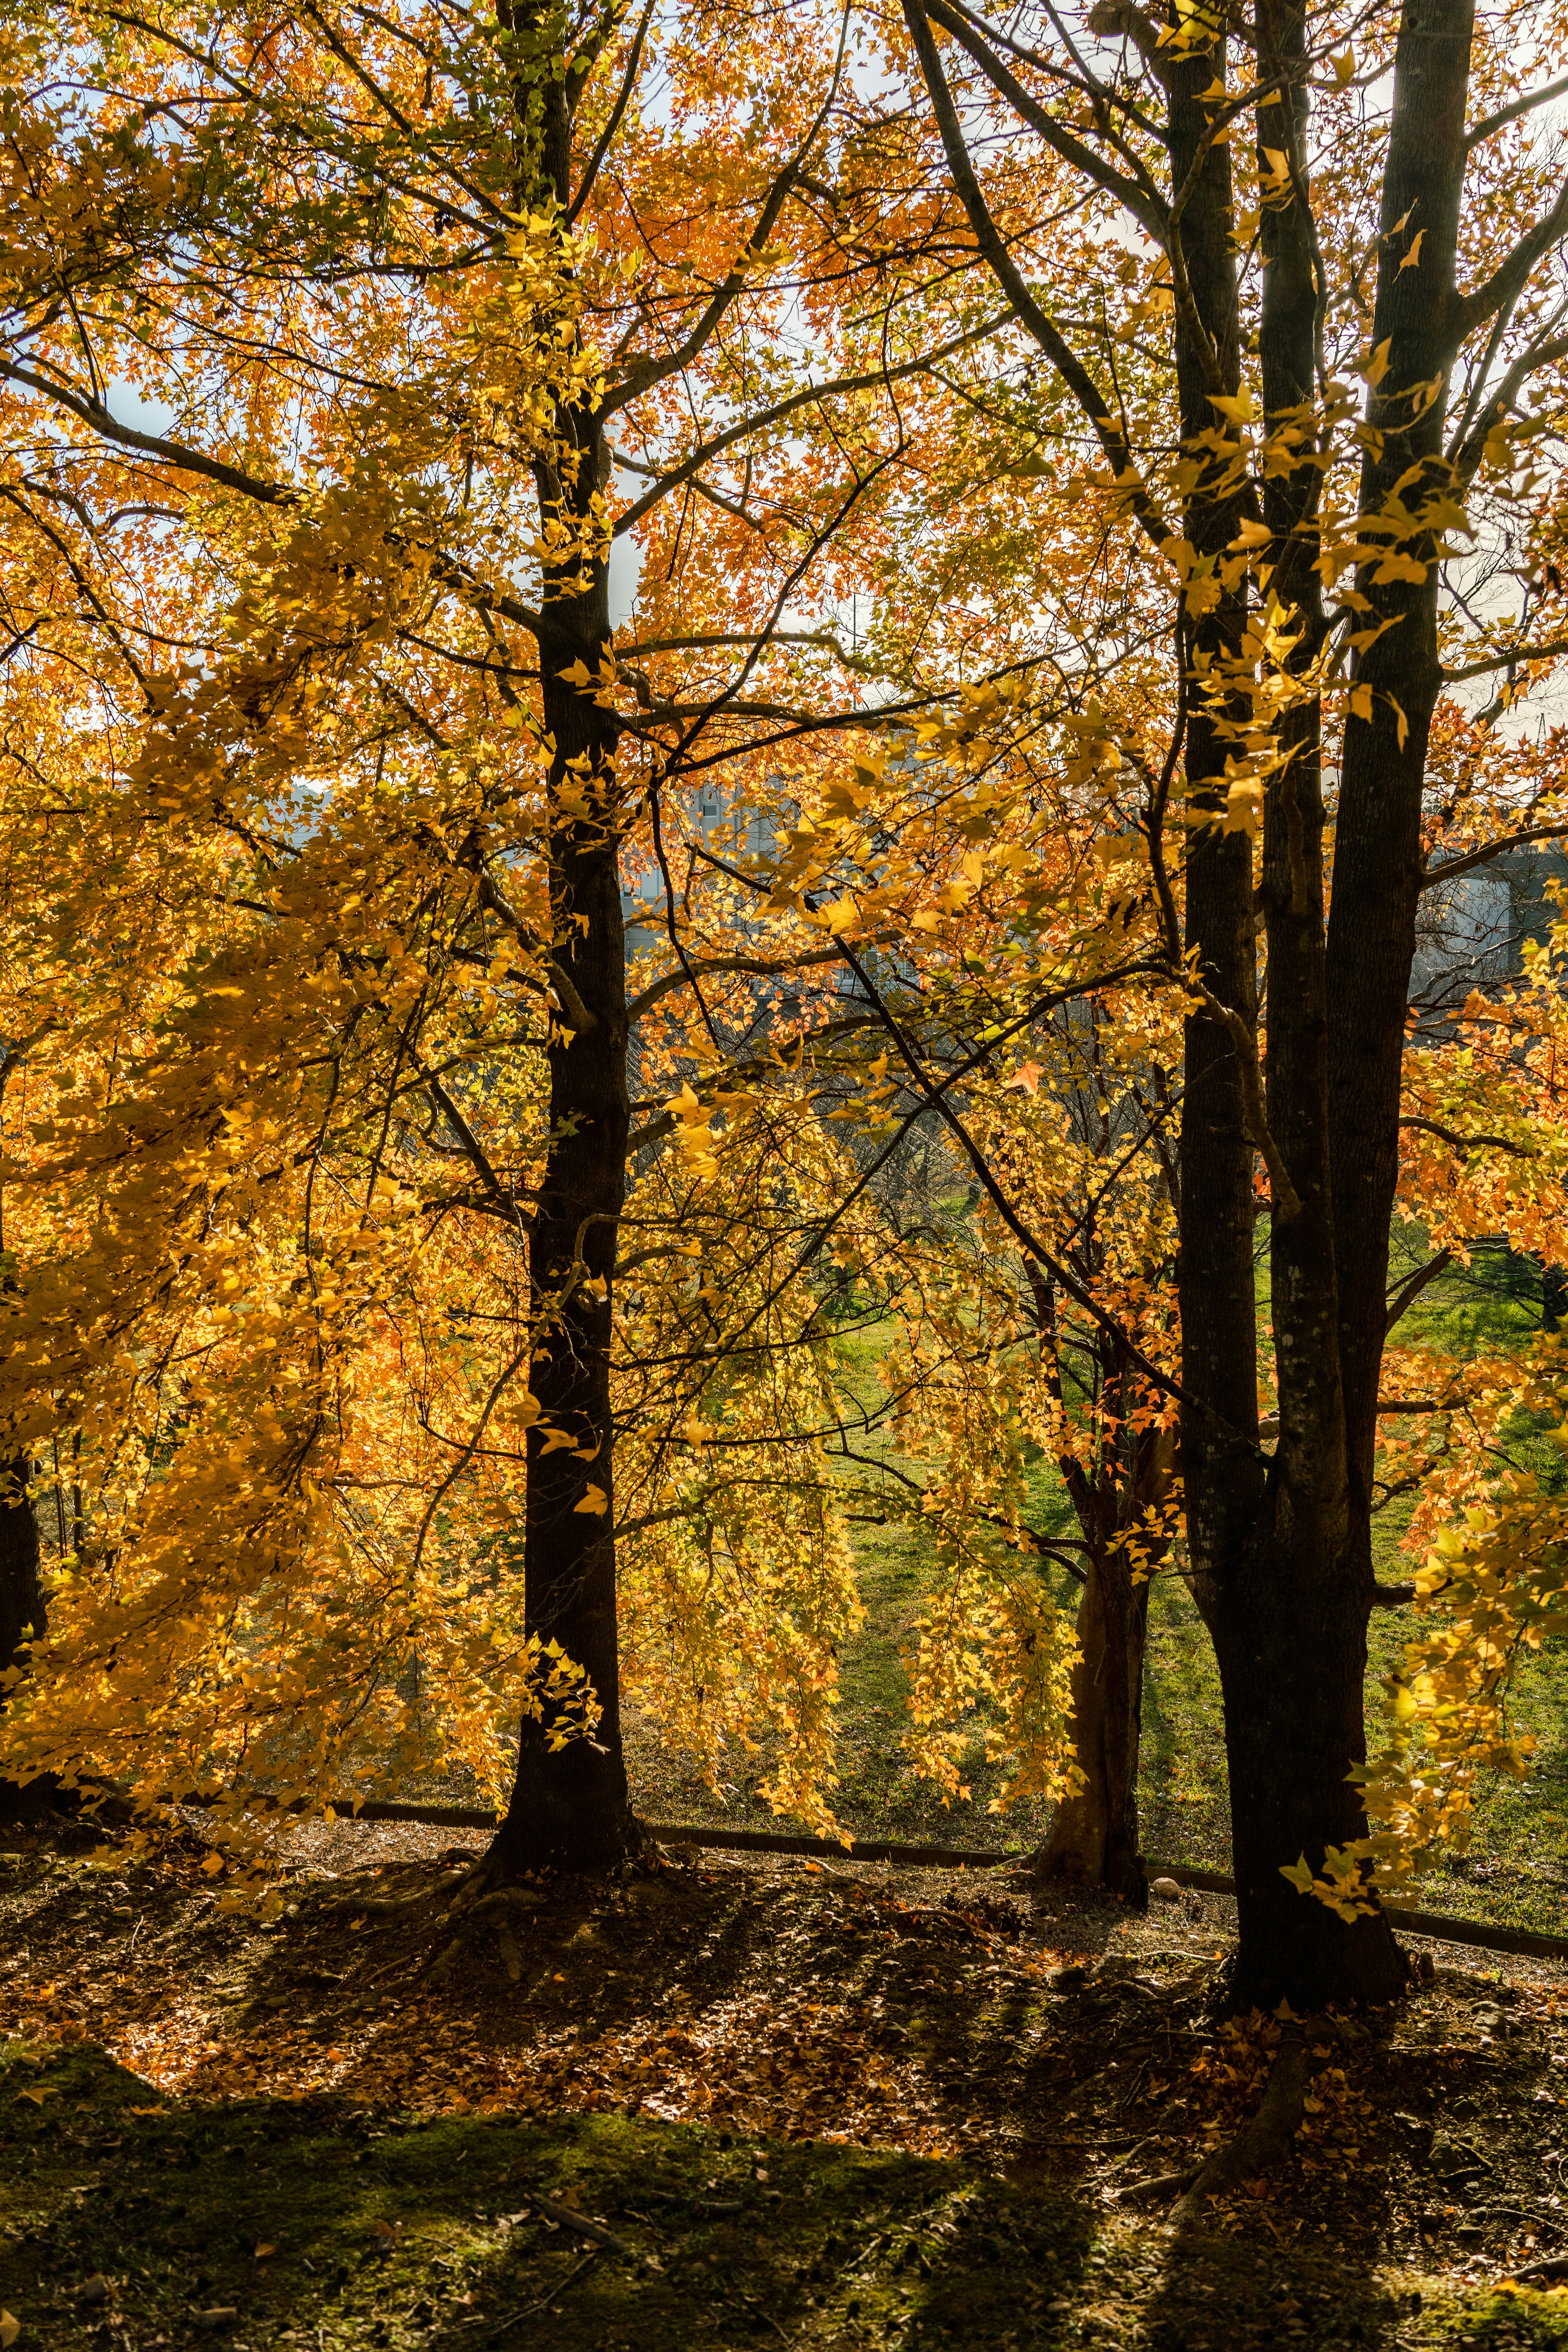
pixel 827 2106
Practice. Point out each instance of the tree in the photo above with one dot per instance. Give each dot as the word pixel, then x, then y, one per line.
pixel 1007 1371
pixel 1278 674
pixel 326 1172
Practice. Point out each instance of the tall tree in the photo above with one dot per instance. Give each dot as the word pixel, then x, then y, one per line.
pixel 423 317
pixel 1141 108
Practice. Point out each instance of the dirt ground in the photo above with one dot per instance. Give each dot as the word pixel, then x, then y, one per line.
pixel 840 2106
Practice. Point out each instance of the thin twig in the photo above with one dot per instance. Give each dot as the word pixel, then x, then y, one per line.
pixel 531 2310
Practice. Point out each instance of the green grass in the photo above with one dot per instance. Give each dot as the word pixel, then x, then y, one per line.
pixel 1516 1870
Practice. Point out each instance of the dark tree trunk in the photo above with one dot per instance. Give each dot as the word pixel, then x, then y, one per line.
pixel 1377 848
pixel 1289 1610
pixel 23 1617
pixel 570 1804
pixel 1276 1566
pixel 1281 1543
pixel 1093 1840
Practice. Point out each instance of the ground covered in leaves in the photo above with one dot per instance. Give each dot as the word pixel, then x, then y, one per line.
pixel 730 2100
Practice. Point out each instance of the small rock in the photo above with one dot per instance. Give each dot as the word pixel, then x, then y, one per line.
pixel 1165 1889
pixel 93 2290
pixel 221 2315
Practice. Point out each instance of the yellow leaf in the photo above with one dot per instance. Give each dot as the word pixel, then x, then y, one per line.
pixel 1361 702
pixel 1412 259
pixel 1253 534
pixel 9 2330
pixel 596 1502
pixel 1377 367
pixel 1343 65
pixel 262 2252
pixel 1402 724
pixel 578 675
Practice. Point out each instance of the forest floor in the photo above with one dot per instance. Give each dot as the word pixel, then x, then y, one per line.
pixel 730 2100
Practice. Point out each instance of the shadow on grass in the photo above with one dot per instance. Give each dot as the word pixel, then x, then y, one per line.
pixel 274 2222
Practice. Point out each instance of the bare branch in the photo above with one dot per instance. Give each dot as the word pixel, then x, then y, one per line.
pixel 1469 1142
pixel 1502 660
pixel 1404 1297
pixel 762 418
pixel 623 97
pixel 1140 197
pixel 1447 871
pixel 649 996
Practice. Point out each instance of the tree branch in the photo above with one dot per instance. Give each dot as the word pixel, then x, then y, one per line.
pixel 1409 1291
pixel 1287 1199
pixel 649 997
pixel 1447 871
pixel 1141 198
pixel 1488 123
pixel 623 98
pixel 643 374
pixel 1512 272
pixel 1006 270
pixel 762 418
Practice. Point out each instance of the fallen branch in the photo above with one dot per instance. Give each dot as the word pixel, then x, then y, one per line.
pixel 1264 2139
pixel 586 2228
pixel 1554 2268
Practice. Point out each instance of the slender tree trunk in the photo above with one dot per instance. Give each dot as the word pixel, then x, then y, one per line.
pixel 23 1616
pixel 1277 1569
pixel 1093 1840
pixel 570 1803
pixel 1377 850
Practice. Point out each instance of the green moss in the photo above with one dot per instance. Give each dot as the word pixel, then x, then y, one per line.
pixel 389 2229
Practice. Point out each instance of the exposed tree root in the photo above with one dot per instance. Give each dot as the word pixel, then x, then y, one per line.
pixel 475 1915
pixel 1160 2184
pixel 1263 2139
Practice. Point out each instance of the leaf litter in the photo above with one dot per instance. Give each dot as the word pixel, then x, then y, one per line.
pixel 861 2090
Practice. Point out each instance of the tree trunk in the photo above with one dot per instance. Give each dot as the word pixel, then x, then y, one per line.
pixel 1275 1563
pixel 23 1616
pixel 1377 848
pixel 570 1803
pixel 1093 1840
